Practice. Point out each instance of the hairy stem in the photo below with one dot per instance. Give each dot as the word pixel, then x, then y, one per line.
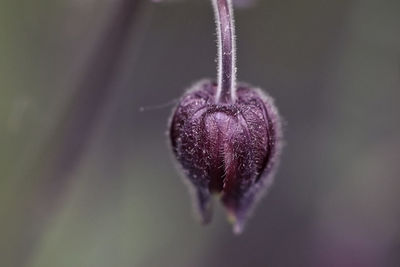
pixel 226 91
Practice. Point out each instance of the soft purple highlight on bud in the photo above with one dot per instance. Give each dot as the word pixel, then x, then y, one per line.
pixel 231 149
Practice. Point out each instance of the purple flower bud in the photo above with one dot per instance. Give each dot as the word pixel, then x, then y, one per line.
pixel 226 136
pixel 230 149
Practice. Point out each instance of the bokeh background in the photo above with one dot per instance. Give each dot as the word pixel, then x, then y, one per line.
pixel 86 90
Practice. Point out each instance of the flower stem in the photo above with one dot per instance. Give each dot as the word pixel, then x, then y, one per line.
pixel 226 91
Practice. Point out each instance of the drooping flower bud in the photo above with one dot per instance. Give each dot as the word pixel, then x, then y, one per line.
pixel 226 136
pixel 230 149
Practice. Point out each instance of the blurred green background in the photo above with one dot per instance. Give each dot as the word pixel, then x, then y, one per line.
pixel 86 176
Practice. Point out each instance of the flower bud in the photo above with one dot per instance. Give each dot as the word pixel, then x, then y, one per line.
pixel 230 149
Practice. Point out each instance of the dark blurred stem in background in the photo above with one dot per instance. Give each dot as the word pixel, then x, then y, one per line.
pixel 63 152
